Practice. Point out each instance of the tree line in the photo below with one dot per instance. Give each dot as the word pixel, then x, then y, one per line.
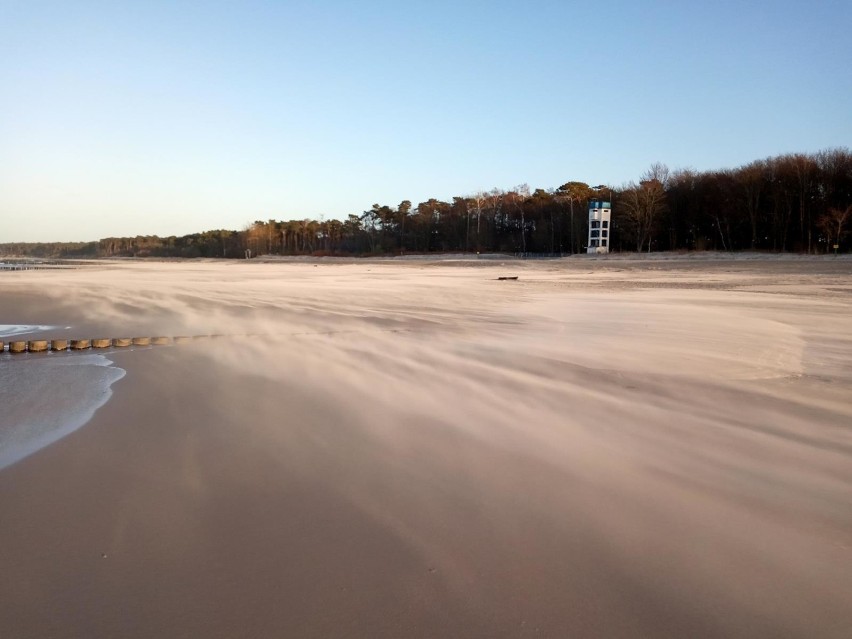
pixel 793 202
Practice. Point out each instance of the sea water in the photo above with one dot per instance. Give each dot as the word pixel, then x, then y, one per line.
pixel 46 396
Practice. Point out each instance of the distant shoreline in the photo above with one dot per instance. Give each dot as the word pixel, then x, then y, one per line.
pixel 18 262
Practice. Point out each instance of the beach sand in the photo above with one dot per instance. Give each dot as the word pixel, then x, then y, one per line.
pixel 602 448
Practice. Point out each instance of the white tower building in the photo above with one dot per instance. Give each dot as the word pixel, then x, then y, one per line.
pixel 599 216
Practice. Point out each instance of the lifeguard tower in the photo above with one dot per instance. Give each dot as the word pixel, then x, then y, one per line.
pixel 599 216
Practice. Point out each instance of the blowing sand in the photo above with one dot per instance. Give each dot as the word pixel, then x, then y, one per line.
pixel 603 448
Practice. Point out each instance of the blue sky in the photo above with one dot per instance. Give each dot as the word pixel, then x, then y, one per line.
pixel 174 117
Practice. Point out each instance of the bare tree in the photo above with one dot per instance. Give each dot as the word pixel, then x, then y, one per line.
pixel 478 199
pixel 806 168
pixel 832 224
pixel 642 203
pixel 753 177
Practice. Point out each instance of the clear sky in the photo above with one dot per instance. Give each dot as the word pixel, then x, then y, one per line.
pixel 172 117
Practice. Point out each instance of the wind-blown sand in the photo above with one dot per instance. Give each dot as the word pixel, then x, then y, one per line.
pixel 603 448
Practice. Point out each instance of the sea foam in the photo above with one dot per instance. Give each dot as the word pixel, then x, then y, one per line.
pixel 45 397
pixel 9 330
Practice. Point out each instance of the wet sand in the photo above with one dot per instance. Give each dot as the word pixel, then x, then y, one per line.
pixel 614 448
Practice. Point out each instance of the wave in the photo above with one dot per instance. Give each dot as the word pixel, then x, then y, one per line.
pixel 45 398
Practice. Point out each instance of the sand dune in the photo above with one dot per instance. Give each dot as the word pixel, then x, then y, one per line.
pixel 602 448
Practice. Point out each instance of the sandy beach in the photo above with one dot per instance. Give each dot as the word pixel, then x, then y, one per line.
pixel 602 448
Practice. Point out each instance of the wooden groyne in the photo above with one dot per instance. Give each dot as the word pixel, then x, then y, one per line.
pixel 62 345
pixel 68 345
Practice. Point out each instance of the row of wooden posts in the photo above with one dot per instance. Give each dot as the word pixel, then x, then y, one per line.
pixel 44 345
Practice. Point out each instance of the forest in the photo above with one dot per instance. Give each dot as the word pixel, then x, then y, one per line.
pixel 795 202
